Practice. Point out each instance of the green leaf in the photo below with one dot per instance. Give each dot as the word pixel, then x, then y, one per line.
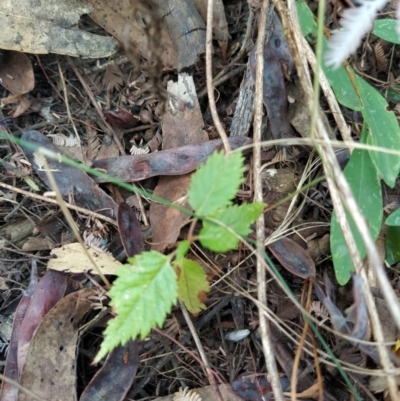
pixel 141 296
pixel 306 19
pixel 384 131
pixel 192 284
pixel 216 183
pixel 233 218
pixel 392 245
pixel 182 250
pixel 393 219
pixel 365 185
pixel 386 30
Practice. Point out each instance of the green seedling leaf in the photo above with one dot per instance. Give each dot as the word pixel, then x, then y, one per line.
pixel 234 219
pixel 384 131
pixel 392 245
pixel 393 219
pixel 306 18
pixel 141 296
pixel 192 285
pixel 386 30
pixel 365 185
pixel 339 78
pixel 182 250
pixel 216 183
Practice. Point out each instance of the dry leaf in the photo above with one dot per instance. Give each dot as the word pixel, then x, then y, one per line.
pixel 71 258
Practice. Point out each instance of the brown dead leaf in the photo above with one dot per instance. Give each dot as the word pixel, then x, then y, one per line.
pixel 182 125
pixel 50 289
pixel 16 72
pixel 49 369
pixel 114 379
pixel 71 258
pixel 47 27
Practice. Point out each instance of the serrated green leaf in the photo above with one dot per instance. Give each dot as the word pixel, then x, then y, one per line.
pixel 216 183
pixel 392 245
pixel 393 219
pixel 233 218
pixel 384 131
pixel 182 250
pixel 365 185
pixel 386 30
pixel 141 296
pixel 192 284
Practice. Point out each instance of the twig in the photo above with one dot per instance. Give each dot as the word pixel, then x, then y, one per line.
pixel 96 106
pixel 210 86
pixel 260 224
pixel 200 348
pixel 54 202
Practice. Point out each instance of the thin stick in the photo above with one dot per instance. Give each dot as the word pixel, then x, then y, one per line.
pixel 260 224
pixel 54 202
pixel 210 86
pixel 210 373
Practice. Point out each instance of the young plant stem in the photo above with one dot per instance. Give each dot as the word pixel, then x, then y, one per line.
pixel 258 196
pixel 210 86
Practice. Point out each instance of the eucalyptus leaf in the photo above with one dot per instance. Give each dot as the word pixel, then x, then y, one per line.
pixel 364 182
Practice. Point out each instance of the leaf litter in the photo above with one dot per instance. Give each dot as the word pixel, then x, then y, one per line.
pixel 150 103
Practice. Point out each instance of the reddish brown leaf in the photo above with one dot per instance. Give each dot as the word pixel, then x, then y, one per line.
pixel 177 161
pixel 8 391
pixel 120 118
pixel 292 257
pixel 114 379
pixel 48 292
pixel 129 229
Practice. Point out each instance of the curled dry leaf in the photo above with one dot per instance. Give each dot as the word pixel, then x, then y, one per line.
pixel 120 118
pixel 179 161
pixel 292 256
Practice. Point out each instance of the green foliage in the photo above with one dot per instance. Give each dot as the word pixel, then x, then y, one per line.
pixel 216 183
pixel 392 245
pixel 380 128
pixel 192 284
pixel 364 183
pixel 393 219
pixel 141 296
pixel 147 288
pixel 235 221
pixel 386 30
